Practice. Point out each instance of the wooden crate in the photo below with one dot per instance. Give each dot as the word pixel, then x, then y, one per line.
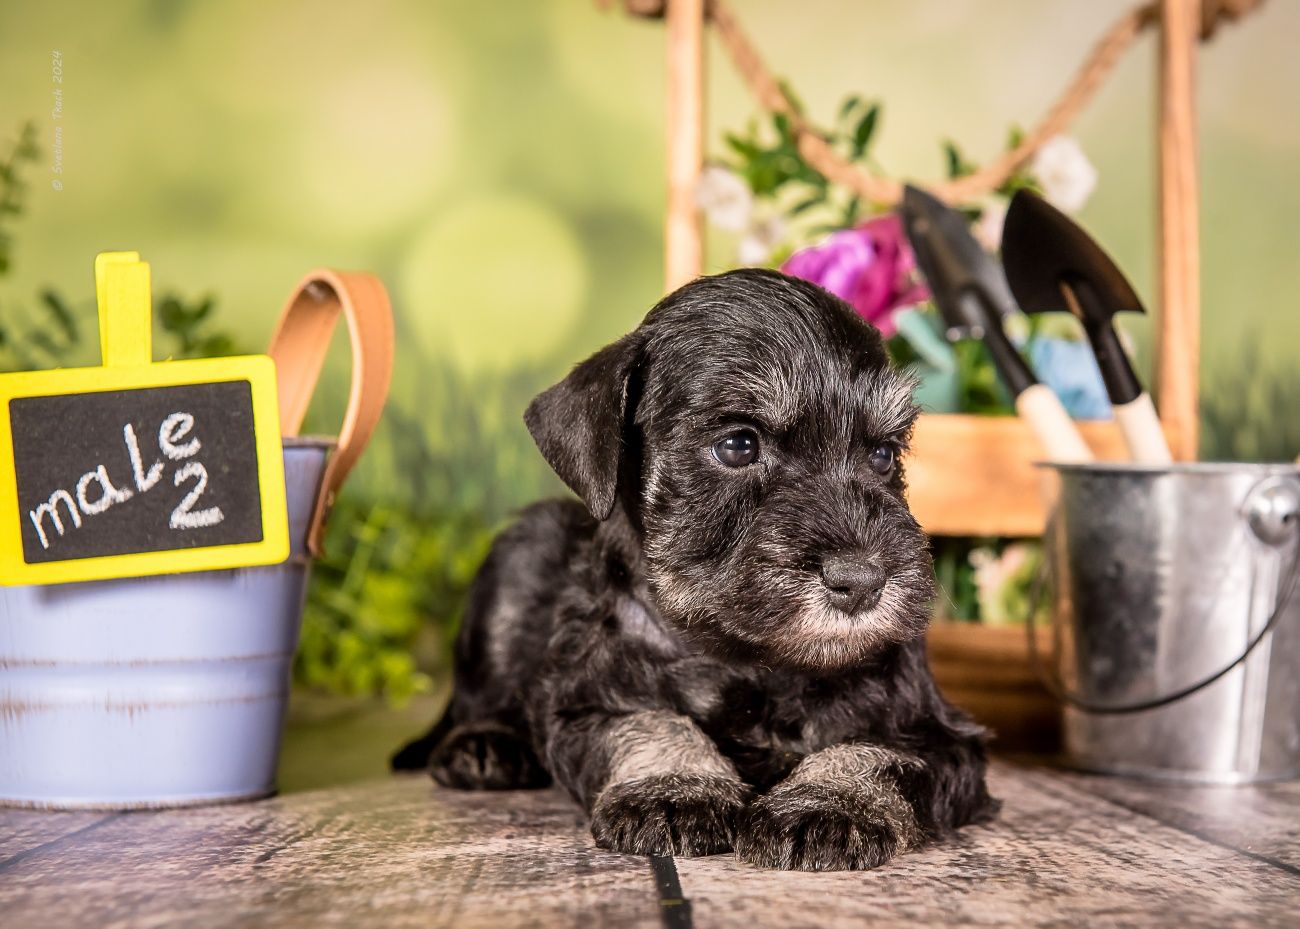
pixel 986 671
pixel 975 475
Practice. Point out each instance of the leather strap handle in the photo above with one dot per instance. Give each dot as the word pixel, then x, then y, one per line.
pixel 299 345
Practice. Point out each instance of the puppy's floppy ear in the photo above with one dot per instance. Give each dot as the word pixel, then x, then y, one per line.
pixel 578 423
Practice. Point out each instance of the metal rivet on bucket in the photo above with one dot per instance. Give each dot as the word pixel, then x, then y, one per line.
pixel 1272 509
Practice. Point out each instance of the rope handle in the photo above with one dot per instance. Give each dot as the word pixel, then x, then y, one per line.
pixel 299 345
pixel 1051 680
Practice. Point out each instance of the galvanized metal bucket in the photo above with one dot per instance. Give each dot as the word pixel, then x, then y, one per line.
pixel 171 690
pixel 1178 619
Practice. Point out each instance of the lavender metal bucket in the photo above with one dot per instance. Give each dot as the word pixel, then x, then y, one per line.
pixel 154 691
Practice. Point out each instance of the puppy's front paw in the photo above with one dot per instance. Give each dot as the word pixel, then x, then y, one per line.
pixel 814 827
pixel 670 814
pixel 486 756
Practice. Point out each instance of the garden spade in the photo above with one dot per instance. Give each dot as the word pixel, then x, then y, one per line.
pixel 971 293
pixel 1052 264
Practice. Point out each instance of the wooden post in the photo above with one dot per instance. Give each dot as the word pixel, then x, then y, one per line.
pixel 683 248
pixel 1178 326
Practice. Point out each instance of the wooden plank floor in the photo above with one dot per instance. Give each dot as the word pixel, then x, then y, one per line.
pixel 1069 850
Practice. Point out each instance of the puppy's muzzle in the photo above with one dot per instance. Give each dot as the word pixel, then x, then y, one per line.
pixel 854 581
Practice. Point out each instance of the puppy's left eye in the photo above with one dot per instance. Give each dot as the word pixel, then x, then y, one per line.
pixel 882 459
pixel 738 449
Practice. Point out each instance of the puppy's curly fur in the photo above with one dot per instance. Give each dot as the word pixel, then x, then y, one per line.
pixel 676 652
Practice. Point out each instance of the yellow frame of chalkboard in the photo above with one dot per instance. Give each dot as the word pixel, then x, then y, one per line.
pixel 257 370
pixel 122 283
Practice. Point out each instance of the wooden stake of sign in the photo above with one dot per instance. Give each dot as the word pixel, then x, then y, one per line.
pixel 683 246
pixel 1178 343
pixel 136 468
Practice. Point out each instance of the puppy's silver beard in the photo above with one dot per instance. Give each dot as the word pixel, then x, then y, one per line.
pixel 824 637
pixel 816 636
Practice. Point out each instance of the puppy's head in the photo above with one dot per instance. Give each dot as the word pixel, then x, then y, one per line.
pixel 752 429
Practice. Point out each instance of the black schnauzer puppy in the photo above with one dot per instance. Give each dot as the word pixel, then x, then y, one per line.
pixel 723 649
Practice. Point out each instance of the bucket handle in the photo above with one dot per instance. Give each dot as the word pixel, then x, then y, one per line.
pixel 1272 512
pixel 298 346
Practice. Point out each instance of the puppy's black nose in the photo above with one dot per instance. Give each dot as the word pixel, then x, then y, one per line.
pixel 853 580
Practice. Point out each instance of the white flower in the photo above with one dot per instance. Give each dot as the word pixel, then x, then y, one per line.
pixel 1065 173
pixel 993 574
pixel 725 198
pixel 988 228
pixel 763 235
pixel 987 576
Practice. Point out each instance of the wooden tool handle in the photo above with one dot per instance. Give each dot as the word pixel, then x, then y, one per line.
pixel 299 345
pixel 1060 438
pixel 1142 430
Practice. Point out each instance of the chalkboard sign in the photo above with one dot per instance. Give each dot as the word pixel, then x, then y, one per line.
pixel 141 470
pixel 173 470
pixel 133 469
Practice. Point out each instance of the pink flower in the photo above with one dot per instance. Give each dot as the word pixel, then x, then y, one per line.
pixel 870 267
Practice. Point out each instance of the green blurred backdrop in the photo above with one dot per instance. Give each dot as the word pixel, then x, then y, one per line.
pixel 500 165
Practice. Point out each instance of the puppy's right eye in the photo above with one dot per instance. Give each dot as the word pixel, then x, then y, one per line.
pixel 737 450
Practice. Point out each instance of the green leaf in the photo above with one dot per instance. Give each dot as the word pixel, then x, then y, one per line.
pixel 864 130
pixel 952 159
pixel 956 164
pixel 809 175
pixel 1019 180
pixel 171 314
pixel 43 340
pixel 745 148
pixel 204 309
pixel 63 316
pixel 763 177
pixel 189 325
pixel 795 103
pixel 804 206
pixel 781 123
pixel 27 149
pixel 852 212
pixel 216 346
pixel 850 104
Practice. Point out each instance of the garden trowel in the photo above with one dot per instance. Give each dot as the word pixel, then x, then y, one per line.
pixel 971 293
pixel 1052 264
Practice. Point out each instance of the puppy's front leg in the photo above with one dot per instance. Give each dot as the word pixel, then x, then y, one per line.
pixel 654 783
pixel 842 808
